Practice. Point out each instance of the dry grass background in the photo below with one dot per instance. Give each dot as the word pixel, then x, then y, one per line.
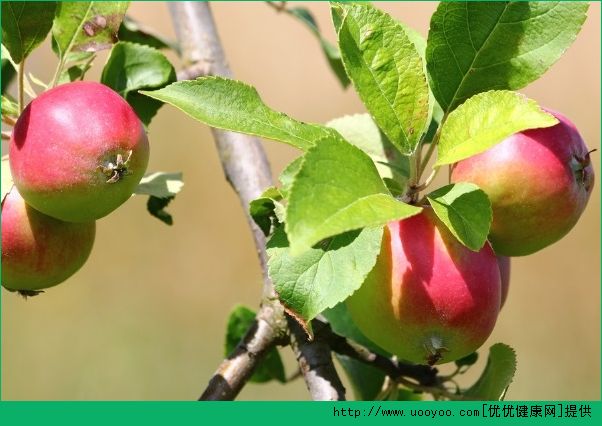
pixel 144 318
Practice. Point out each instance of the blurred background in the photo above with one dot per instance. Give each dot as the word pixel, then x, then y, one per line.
pixel 145 317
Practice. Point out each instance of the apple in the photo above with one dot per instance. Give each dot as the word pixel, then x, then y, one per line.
pixel 429 299
pixel 504 265
pixel 538 181
pixel 78 151
pixel 39 251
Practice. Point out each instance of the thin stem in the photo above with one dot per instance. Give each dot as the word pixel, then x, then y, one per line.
pixel 423 374
pixel 21 88
pixel 435 391
pixel 427 157
pixel 278 7
pixel 86 66
pixel 5 136
pixel 427 182
pixel 432 146
pixel 8 120
pixel 410 195
pixel 57 72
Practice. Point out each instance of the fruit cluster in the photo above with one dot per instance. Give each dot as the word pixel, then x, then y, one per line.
pixel 430 299
pixel 77 152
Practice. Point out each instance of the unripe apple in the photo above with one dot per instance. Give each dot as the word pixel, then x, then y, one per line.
pixel 504 264
pixel 39 251
pixel 538 181
pixel 429 299
pixel 78 151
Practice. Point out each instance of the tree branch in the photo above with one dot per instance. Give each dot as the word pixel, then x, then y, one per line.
pixel 422 374
pixel 234 372
pixel 315 361
pixel 246 168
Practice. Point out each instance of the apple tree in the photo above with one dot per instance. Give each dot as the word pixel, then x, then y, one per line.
pixel 363 258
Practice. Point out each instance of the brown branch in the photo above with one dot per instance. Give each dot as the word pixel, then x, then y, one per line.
pixel 424 375
pixel 246 168
pixel 238 367
pixel 315 361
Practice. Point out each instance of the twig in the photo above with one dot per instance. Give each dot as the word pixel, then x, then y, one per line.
pixel 278 7
pixel 423 374
pixel 5 136
pixel 246 168
pixel 21 89
pixel 315 362
pixel 236 370
pixel 420 378
pixel 436 391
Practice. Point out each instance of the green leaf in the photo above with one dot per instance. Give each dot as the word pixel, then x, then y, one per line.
pixel 338 189
pixel 435 113
pixel 436 119
pixel 287 176
pixel 7 178
pixel 485 120
pixel 8 73
pixel 387 73
pixel 266 210
pixel 162 188
pixel 76 72
pixel 403 394
pixel 233 105
pixel 270 368
pixel 135 32
pixel 331 53
pixel 160 184
pixel 468 360
pixel 366 381
pixel 478 46
pixel 465 210
pixel 26 85
pixel 25 25
pixel 342 324
pixel 361 131
pixel 81 28
pixel 132 67
pixel 9 107
pixel 156 207
pixel 497 376
pixel 324 275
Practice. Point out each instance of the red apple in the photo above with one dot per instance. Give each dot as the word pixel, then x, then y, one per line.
pixel 429 299
pixel 78 151
pixel 39 251
pixel 504 264
pixel 538 181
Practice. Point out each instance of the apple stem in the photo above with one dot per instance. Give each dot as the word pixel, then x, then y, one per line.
pixel 21 89
pixel 429 154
